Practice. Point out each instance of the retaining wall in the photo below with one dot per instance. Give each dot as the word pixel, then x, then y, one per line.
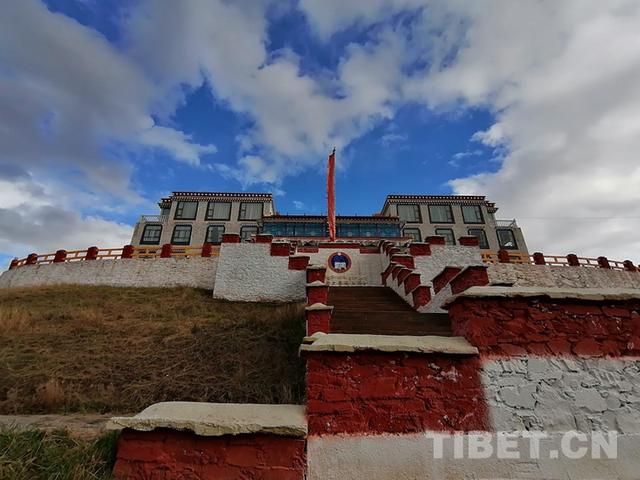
pixel 553 276
pixel 428 266
pixel 196 272
pixel 248 272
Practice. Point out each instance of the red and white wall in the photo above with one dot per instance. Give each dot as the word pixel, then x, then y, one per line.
pixel 550 362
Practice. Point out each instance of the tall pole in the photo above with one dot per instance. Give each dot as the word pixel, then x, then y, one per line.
pixel 331 195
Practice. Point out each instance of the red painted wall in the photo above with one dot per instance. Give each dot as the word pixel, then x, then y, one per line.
pixel 393 393
pixel 167 454
pixel 539 326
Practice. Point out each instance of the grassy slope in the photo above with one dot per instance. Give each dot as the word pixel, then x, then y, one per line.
pixel 115 350
pixel 33 455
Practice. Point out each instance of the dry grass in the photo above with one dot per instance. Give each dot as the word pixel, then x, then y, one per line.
pixel 105 349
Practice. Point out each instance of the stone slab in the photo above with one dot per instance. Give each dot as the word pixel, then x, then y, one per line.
pixel 217 419
pixel 334 342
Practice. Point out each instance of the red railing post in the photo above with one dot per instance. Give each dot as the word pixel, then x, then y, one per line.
pixel 207 248
pixel 60 256
pixel 629 266
pixel 503 256
pixel 572 260
pixel 14 264
pixel 92 253
pixel 538 258
pixel 166 251
pixel 32 259
pixel 127 251
pixel 603 262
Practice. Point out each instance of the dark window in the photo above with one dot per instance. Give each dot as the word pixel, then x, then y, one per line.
pixel 247 232
pixel 409 213
pixel 440 214
pixel 181 235
pixel 218 211
pixel 250 211
pixel 214 233
pixel 186 210
pixel 472 214
pixel 151 235
pixel 506 239
pixel 414 233
pixel 481 235
pixel 447 233
pixel 348 230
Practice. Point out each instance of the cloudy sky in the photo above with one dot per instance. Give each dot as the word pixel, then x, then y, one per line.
pixel 105 106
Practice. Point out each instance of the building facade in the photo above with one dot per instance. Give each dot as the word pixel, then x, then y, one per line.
pixel 193 218
pixel 453 216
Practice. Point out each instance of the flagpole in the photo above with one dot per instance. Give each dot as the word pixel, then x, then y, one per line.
pixel 331 194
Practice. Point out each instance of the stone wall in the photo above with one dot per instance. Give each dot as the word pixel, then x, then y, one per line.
pixel 365 267
pixel 151 272
pixel 545 326
pixel 561 394
pixel 173 454
pixel 248 272
pixel 393 393
pixel 445 256
pixel 554 276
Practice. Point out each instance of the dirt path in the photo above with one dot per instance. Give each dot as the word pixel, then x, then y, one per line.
pixel 81 426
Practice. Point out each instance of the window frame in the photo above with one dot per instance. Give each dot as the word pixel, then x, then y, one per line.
pixel 142 241
pixel 481 222
pixel 206 234
pixel 243 227
pixel 453 219
pixel 240 218
pixel 416 206
pixel 173 234
pixel 513 236
pixel 178 209
pixel 413 228
pixel 484 235
pixel 208 218
pixel 453 235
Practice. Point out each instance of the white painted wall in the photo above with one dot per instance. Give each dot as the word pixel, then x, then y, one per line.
pixel 366 268
pixel 574 277
pixel 247 272
pixel 559 394
pixel 445 256
pixel 411 457
pixel 524 394
pixel 137 272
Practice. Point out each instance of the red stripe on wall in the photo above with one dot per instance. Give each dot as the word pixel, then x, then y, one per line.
pixel 394 393
pixel 542 326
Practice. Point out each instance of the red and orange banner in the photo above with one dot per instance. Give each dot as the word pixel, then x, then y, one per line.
pixel 331 195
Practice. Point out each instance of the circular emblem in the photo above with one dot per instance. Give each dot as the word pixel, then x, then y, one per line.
pixel 339 262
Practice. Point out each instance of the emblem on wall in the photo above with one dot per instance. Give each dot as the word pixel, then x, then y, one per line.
pixel 339 262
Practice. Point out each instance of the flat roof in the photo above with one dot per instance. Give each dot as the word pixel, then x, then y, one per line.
pixel 323 218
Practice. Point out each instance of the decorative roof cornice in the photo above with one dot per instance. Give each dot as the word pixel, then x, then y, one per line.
pixel 456 199
pixel 265 196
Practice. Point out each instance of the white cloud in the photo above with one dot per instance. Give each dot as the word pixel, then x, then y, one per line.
pixel 67 96
pixel 299 205
pixel 32 220
pixel 561 79
pixel 297 117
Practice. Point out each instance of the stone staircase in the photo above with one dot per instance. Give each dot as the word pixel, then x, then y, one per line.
pixel 380 311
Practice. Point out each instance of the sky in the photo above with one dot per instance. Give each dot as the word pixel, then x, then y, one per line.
pixel 106 106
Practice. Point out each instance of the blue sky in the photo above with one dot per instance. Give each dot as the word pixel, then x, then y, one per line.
pixel 105 106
